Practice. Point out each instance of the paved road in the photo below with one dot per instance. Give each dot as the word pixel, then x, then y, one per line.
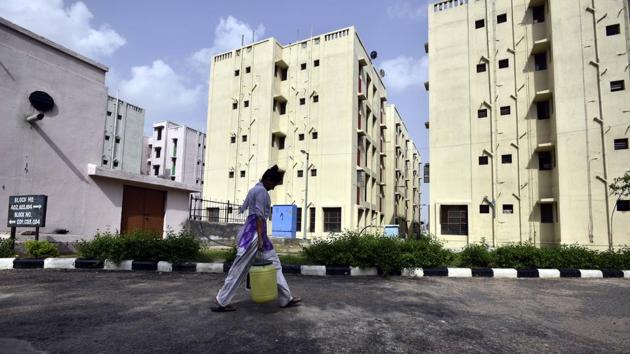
pixel 108 312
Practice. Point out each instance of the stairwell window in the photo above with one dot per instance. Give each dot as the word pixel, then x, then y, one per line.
pixel 621 144
pixel 619 85
pixel 480 24
pixel 540 61
pixel 613 30
pixel 543 110
pixel 504 63
pixel 546 213
pixel 538 14
pixel 545 161
pixel 502 18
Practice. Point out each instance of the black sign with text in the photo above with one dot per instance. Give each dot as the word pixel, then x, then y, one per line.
pixel 27 211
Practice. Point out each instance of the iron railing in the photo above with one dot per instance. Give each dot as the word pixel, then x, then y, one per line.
pixel 215 212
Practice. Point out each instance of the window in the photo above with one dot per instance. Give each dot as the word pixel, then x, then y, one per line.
pixel 159 133
pixel 244 138
pixel 109 113
pixel 483 160
pixel 303 66
pixel 484 209
pixel 621 144
pixel 248 70
pixel 300 137
pixel 506 159
pixel 508 209
pixel 281 143
pixel 619 85
pixel 281 106
pixel 234 105
pixel 242 173
pixel 480 23
pixel 505 110
pixel 316 62
pixel 246 103
pixel 314 135
pixel 504 63
pixel 332 219
pixel 157 152
pixel 543 110
pixel 106 137
pixel 314 172
pixel 545 162
pixel 117 139
pixel 236 72
pixel 300 173
pixel 156 170
pixel 311 220
pixel 213 214
pixel 298 226
pixel 540 61
pixel 119 116
pixel 105 161
pixel 454 219
pixel 233 139
pixel 302 101
pixel 546 213
pixel 613 30
pixel 502 18
pixel 315 98
pixel 623 205
pixel 538 13
pixel 482 113
pixel 481 68
pixel 231 174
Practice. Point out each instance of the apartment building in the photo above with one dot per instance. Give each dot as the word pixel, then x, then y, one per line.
pixel 176 152
pixel 123 137
pixel 319 100
pixel 529 121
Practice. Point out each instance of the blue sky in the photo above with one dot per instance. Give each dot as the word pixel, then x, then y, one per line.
pixel 157 50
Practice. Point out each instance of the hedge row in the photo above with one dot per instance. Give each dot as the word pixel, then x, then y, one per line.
pixel 391 254
pixel 139 246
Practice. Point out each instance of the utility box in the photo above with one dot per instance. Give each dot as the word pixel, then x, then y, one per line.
pixel 391 230
pixel 284 221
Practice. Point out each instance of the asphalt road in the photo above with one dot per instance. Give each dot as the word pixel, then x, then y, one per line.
pixel 136 312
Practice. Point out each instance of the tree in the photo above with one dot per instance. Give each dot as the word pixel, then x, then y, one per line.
pixel 620 188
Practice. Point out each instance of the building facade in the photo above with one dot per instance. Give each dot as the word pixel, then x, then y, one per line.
pixel 60 155
pixel 123 137
pixel 319 100
pixel 176 152
pixel 529 121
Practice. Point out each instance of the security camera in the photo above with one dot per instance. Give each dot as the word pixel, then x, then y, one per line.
pixel 35 117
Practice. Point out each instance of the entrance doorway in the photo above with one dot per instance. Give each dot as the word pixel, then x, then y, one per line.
pixel 143 209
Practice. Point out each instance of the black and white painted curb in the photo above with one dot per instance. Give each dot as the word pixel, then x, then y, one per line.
pixel 312 270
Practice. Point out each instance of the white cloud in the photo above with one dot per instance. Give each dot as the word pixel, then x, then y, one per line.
pixel 407 10
pixel 227 36
pixel 160 90
pixel 403 72
pixel 69 26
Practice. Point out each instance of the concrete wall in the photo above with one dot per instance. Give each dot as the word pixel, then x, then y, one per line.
pixel 123 136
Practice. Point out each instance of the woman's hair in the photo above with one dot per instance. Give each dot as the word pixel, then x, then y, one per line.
pixel 273 174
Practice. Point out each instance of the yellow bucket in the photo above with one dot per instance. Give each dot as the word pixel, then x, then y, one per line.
pixel 262 278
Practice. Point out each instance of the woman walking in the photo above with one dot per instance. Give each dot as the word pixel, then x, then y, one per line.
pixel 252 238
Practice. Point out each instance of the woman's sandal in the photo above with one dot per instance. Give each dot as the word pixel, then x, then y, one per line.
pixel 219 308
pixel 296 301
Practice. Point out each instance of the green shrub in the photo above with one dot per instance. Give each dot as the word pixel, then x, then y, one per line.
pixel 139 246
pixel 40 249
pixel 475 255
pixel 614 259
pixel 6 248
pixel 216 254
pixel 294 259
pixel 518 256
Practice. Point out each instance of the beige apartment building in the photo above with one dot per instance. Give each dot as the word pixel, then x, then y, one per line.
pixel 529 121
pixel 319 99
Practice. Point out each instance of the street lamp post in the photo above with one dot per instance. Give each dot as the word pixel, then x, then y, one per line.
pixel 305 193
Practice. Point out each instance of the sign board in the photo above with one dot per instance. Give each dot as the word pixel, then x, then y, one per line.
pixel 284 221
pixel 27 211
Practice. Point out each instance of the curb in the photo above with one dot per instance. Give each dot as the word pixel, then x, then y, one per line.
pixel 309 270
